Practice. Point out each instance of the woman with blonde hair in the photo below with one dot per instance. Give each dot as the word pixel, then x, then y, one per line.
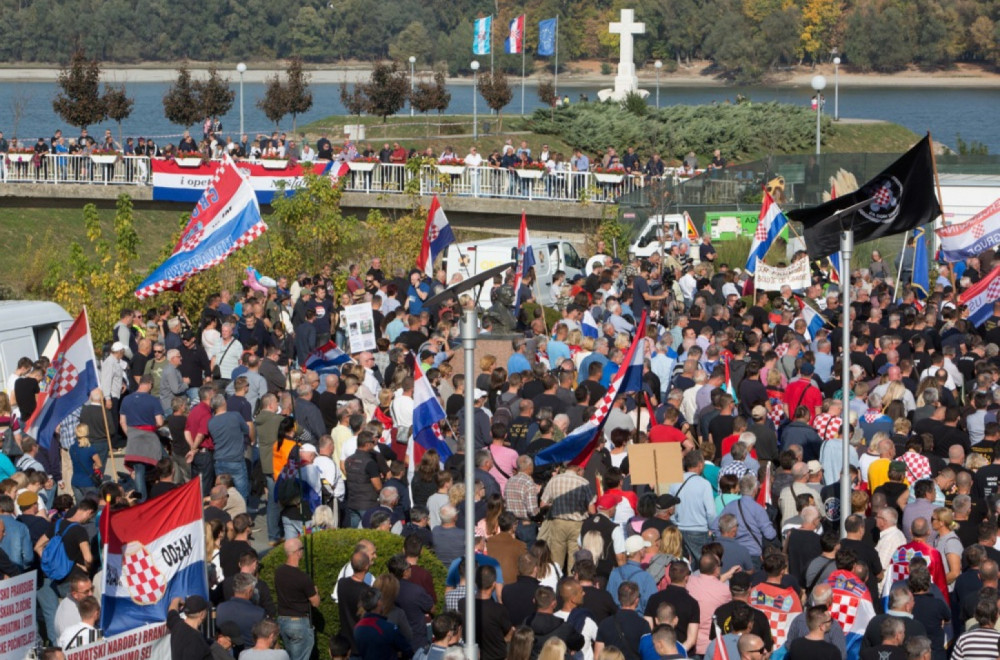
pixel 554 649
pixel 486 364
pixel 610 653
pixel 86 462
pixel 947 542
pixel 586 349
pixel 324 518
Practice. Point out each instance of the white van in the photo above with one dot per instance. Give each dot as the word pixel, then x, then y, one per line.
pixel 647 242
pixel 29 328
pixel 551 255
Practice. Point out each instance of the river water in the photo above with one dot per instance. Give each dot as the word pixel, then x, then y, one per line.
pixel 945 112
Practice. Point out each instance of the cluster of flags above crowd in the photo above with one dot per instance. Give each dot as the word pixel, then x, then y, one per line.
pixel 482 36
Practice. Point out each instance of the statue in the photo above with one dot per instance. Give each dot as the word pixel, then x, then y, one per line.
pixel 499 312
pixel 626 80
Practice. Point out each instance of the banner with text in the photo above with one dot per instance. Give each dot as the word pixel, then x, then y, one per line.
pixel 174 182
pixel 147 643
pixel 769 278
pixel 17 616
pixel 360 327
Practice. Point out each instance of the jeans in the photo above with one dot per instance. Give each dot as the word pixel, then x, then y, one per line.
pixel 693 541
pixel 273 512
pixel 204 465
pixel 298 636
pixel 353 518
pixel 527 532
pixel 48 597
pixel 102 452
pixel 238 470
pixel 292 528
pixel 140 479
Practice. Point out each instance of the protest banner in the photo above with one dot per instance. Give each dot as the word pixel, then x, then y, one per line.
pixel 150 642
pixel 360 327
pixel 18 628
pixel 769 278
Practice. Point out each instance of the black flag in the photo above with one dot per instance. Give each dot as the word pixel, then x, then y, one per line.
pixel 902 198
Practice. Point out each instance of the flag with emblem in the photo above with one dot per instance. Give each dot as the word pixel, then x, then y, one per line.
pixel 979 298
pixel 437 236
pixel 899 567
pixel 770 223
pixel 514 43
pixel 153 553
pixel 780 605
pixel 75 369
pixel 327 359
pixel 979 233
pixel 577 447
pixel 901 198
pixel 814 321
pixel 525 260
pixel 427 414
pixel 226 218
pixel 851 606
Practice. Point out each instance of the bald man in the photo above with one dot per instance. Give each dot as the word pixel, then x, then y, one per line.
pixel 296 595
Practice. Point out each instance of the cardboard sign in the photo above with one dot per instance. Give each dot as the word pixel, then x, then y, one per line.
pixel 656 464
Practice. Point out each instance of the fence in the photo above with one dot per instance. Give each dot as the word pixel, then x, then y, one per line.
pixel 369 178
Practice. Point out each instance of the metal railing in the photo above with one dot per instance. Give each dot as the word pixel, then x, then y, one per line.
pixel 369 178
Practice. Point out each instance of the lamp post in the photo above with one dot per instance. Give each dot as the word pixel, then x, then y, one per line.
pixel 659 65
pixel 475 92
pixel 836 89
pixel 413 60
pixel 818 84
pixel 469 333
pixel 241 68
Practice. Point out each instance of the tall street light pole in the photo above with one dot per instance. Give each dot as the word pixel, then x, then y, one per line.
pixel 475 93
pixel 836 89
pixel 413 60
pixel 818 84
pixel 658 65
pixel 241 68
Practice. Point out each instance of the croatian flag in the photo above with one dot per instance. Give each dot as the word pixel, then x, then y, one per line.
pixel 437 236
pixel 834 260
pixel 326 359
pixel 851 605
pixel 764 493
pixel 589 326
pixel 980 297
pixel 154 552
pixel 769 225
pixel 979 233
pixel 514 43
pixel 814 321
pixel 728 387
pixel 75 370
pixel 525 260
pixel 577 447
pixel 226 218
pixel 427 413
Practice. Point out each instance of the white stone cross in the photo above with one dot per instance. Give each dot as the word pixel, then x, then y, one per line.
pixel 626 80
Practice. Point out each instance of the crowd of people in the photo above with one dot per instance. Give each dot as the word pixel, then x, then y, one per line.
pixel 572 560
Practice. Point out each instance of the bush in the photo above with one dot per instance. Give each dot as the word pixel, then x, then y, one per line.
pixel 328 552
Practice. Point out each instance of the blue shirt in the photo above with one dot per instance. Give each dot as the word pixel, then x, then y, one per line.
pixel 647 651
pixel 517 363
pixel 631 571
pixel 585 365
pixel 376 637
pixel 697 508
pixel 558 351
pixel 609 371
pixel 454 577
pixel 16 542
pixel 141 409
pixel 416 304
pixel 754 525
pixel 228 430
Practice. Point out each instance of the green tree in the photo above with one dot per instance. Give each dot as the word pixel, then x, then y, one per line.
pixel 274 105
pixel 879 39
pixel 387 90
pixel 821 21
pixel 181 104
pixel 118 105
pixel 80 102
pixel 497 92
pixel 298 96
pixel 414 41
pixel 214 95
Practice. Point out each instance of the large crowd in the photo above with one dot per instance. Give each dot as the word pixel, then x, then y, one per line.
pixel 572 561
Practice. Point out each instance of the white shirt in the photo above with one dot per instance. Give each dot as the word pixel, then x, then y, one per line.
pixel 688 285
pixel 589 633
pixel 86 632
pixel 474 160
pixel 330 473
pixel 67 616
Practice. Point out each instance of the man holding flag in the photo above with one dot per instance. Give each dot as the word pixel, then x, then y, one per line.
pixel 525 261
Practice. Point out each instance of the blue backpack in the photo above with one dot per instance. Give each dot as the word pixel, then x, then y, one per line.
pixel 56 563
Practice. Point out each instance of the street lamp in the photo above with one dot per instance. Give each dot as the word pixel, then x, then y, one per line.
pixel 241 68
pixel 836 89
pixel 818 84
pixel 659 65
pixel 413 60
pixel 475 92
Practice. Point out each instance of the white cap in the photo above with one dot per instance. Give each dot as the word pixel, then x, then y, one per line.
pixel 478 393
pixel 308 447
pixel 117 346
pixel 636 543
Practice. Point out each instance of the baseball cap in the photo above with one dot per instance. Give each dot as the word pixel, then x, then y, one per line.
pixel 26 499
pixel 884 369
pixel 898 466
pixel 117 346
pixel 758 412
pixel 740 582
pixel 814 466
pixel 806 369
pixel 195 604
pixel 608 501
pixel 478 394
pixel 308 447
pixel 665 501
pixel 635 543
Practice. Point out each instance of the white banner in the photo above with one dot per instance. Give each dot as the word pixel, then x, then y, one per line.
pixel 18 628
pixel 360 327
pixel 150 642
pixel 769 278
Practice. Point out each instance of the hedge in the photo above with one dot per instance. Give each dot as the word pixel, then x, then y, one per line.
pixel 328 551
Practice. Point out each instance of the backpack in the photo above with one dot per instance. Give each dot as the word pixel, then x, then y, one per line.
pixel 289 492
pixel 56 563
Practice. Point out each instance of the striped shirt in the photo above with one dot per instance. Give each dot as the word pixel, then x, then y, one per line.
pixel 570 496
pixel 521 494
pixel 977 643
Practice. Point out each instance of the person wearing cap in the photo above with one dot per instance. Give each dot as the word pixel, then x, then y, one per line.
pixel 113 382
pixel 632 571
pixel 186 640
pixel 666 505
pixel 612 534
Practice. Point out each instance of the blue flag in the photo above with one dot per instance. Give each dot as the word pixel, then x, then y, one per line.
pixel 547 36
pixel 921 269
pixel 482 30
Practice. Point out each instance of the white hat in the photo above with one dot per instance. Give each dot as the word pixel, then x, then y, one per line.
pixel 308 447
pixel 478 393
pixel 636 543
pixel 117 346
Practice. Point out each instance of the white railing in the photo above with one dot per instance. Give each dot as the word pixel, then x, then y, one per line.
pixel 373 178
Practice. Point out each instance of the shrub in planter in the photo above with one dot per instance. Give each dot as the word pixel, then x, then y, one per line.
pixel 326 553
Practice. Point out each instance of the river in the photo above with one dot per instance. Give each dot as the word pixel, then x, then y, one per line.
pixel 944 111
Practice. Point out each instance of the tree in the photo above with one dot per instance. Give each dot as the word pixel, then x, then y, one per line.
pixel 181 104
pixel 297 94
pixel 387 90
pixel 118 105
pixel 353 99
pixel 214 95
pixel 443 96
pixel 274 105
pixel 547 93
pixel 413 40
pixel 821 21
pixel 429 96
pixel 80 103
pixel 497 92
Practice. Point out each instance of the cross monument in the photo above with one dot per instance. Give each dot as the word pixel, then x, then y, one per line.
pixel 626 80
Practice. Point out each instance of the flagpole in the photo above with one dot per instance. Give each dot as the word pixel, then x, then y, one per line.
pixel 522 66
pixel 846 247
pixel 899 274
pixel 556 71
pixel 491 45
pixel 937 185
pixel 104 413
